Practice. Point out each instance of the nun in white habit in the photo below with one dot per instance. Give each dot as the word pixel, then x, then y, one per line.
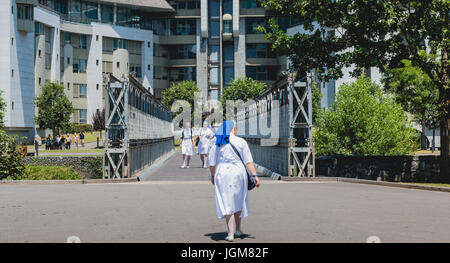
pixel 187 144
pixel 205 135
pixel 229 176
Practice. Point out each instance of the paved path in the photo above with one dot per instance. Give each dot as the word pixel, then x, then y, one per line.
pixel 180 207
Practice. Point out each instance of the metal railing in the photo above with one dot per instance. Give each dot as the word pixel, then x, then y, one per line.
pixel 138 128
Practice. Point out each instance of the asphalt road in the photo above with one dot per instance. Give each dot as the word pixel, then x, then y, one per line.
pixel 184 211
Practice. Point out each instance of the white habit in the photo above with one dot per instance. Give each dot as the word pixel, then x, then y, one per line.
pixel 187 147
pixel 230 180
pixel 203 145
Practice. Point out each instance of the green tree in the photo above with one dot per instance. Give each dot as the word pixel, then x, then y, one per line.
pixel 363 121
pixel 370 33
pixel 243 89
pixel 183 90
pixel 11 157
pixel 2 111
pixel 316 100
pixel 416 92
pixel 54 108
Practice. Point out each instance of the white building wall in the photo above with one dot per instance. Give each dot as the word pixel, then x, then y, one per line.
pixel 94 72
pixel 17 55
pixel 7 29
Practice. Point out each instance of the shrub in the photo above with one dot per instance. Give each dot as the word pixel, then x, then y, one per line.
pixel 11 157
pixel 38 172
pixel 363 121
pixel 77 128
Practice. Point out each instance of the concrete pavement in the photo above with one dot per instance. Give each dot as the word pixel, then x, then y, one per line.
pixel 170 211
pixel 177 205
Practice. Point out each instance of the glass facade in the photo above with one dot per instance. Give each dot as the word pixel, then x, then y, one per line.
pixel 250 3
pixel 262 73
pixel 183 27
pixel 183 51
pixel 251 25
pixel 259 51
pixel 183 73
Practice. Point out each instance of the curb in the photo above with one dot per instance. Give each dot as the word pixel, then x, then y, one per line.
pixel 362 181
pixel 55 182
pixel 398 185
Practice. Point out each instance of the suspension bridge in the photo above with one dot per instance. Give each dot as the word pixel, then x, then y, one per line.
pixel 139 130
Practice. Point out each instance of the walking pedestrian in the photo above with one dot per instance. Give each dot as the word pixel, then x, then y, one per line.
pixel 205 134
pixel 37 143
pixel 229 177
pixel 75 140
pixel 69 141
pixel 48 143
pixel 82 139
pixel 187 144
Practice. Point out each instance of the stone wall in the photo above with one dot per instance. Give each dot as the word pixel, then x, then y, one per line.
pixel 386 168
pixel 84 165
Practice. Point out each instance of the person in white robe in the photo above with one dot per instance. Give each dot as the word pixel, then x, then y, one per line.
pixel 229 177
pixel 205 135
pixel 187 144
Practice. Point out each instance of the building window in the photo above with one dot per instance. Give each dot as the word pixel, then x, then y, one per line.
pixel 184 73
pixel 68 61
pixel 12 41
pixel 83 116
pixel 137 70
pixel 83 90
pixel 107 14
pixel 83 42
pixel 12 73
pixel 68 85
pixel 67 37
pixel 250 3
pixel 96 38
pixel 183 26
pixel 97 86
pixel 39 53
pixel 118 65
pixel 251 25
pixel 96 62
pixel 183 52
pixel 262 73
pixel 119 43
pixel 40 81
pixel 25 12
pixel 259 51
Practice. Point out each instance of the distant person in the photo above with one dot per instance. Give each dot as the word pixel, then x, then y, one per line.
pixel 37 142
pixel 187 144
pixel 68 142
pixel 62 143
pixel 82 139
pixel 229 177
pixel 205 134
pixel 75 140
pixel 48 143
pixel 57 141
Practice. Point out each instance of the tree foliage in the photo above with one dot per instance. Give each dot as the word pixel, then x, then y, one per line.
pixel 415 91
pixel 243 88
pixel 370 33
pixel 363 121
pixel 183 90
pixel 11 157
pixel 2 111
pixel 316 100
pixel 98 120
pixel 54 108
